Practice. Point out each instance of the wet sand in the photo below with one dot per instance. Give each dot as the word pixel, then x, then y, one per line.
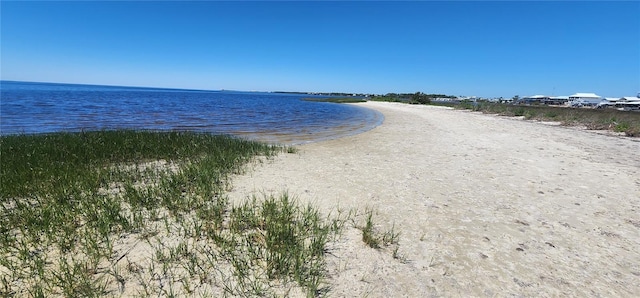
pixel 485 205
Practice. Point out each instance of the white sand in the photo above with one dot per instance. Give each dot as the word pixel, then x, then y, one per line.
pixel 486 205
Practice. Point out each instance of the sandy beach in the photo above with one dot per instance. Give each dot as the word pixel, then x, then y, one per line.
pixel 485 205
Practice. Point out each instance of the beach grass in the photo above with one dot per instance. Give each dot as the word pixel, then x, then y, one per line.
pixel 389 99
pixel 75 206
pixel 627 122
pixel 336 99
pixel 375 238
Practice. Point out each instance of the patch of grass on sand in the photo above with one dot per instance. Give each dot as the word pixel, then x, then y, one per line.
pixel 74 206
pixel 374 238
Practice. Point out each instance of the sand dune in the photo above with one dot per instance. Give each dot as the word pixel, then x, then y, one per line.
pixel 486 205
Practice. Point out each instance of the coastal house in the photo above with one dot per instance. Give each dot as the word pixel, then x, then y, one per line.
pixel 558 100
pixel 629 99
pixel 608 102
pixel 628 103
pixel 534 99
pixel 622 103
pixel 584 99
pixel 543 99
pixel 468 98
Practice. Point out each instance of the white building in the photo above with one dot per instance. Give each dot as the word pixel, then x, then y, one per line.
pixel 629 99
pixel 543 99
pixel 622 103
pixel 535 98
pixel 584 99
pixel 559 99
pixel 629 103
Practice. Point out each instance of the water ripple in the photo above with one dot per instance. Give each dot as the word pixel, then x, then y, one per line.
pixel 277 118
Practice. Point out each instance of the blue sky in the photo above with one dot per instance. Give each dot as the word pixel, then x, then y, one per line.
pixel 479 48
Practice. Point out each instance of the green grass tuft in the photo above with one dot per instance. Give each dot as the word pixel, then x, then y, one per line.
pixel 70 201
pixel 376 239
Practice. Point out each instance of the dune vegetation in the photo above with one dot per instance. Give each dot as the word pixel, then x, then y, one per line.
pixel 627 122
pixel 336 99
pixel 113 213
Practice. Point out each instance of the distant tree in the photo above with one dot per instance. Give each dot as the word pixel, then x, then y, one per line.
pixel 516 98
pixel 420 98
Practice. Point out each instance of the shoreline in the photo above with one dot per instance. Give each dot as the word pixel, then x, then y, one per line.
pixel 485 205
pixel 374 119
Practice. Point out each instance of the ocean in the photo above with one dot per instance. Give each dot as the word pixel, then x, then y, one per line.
pixel 29 108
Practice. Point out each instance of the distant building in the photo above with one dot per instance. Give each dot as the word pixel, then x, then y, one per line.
pixel 534 99
pixel 543 99
pixel 468 98
pixel 584 99
pixel 623 103
pixel 559 100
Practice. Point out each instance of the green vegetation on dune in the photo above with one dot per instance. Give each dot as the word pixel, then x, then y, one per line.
pixel 74 206
pixel 335 99
pixel 69 198
pixel 411 98
pixel 627 122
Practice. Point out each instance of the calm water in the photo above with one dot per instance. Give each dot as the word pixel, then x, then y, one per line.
pixel 279 118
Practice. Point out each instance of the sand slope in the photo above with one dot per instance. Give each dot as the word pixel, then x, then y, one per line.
pixel 486 205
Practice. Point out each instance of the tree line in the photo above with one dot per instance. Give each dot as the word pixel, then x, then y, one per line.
pixel 413 98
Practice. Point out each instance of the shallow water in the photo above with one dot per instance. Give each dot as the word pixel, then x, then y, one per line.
pixel 27 107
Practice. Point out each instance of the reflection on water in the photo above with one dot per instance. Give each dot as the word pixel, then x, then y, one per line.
pixel 278 118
